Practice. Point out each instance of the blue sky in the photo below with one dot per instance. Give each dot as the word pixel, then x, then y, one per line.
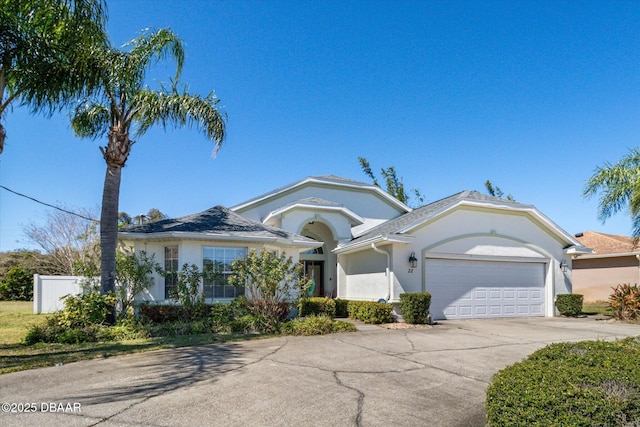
pixel 533 95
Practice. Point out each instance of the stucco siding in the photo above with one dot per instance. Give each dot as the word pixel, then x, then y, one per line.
pixel 595 277
pixel 365 276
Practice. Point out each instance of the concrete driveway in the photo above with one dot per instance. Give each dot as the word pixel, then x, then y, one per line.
pixel 427 376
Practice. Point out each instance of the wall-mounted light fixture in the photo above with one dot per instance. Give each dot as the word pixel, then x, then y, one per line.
pixel 564 265
pixel 413 261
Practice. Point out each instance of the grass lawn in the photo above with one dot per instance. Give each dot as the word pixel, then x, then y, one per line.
pixel 599 307
pixel 17 316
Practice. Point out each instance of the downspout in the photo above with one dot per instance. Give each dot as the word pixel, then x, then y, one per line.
pixel 638 258
pixel 380 251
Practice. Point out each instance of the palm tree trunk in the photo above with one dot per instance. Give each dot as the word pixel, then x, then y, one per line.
pixel 109 232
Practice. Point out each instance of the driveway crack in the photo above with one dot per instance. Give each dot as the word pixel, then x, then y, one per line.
pixel 196 380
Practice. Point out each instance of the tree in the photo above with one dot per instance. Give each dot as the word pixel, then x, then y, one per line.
pixel 68 239
pixel 394 185
pixel 45 47
pixel 124 100
pixel 17 286
pixel 619 188
pixel 153 215
pixel 33 262
pixel 133 272
pixel 496 191
pixel 271 280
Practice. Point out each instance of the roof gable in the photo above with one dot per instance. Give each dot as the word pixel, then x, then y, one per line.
pixel 324 180
pixel 402 226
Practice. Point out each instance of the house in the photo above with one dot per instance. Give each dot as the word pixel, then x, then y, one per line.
pixel 615 260
pixel 479 256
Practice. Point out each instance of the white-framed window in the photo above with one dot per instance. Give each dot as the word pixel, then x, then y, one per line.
pixel 171 267
pixel 219 258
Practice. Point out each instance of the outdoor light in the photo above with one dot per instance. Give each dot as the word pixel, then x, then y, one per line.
pixel 413 261
pixel 563 265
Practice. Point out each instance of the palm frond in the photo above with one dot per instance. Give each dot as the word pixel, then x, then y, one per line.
pixel 180 110
pixel 156 45
pixel 617 185
pixel 91 120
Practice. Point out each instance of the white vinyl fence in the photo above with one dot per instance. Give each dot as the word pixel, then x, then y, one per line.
pixel 47 291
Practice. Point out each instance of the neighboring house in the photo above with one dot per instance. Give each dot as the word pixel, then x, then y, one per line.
pixel 479 256
pixel 615 260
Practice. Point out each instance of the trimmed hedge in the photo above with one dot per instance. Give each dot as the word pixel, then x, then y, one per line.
pixel 569 304
pixel 316 325
pixel 415 307
pixel 589 383
pixel 342 308
pixel 370 312
pixel 317 306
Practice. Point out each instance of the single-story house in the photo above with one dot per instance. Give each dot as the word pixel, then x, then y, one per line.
pixel 615 260
pixel 479 256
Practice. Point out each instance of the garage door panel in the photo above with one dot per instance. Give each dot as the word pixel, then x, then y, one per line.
pixel 476 289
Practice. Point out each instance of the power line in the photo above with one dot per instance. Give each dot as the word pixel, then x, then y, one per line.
pixel 47 204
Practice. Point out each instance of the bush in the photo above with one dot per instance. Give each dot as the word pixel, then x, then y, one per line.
pixel 569 304
pixel 160 313
pixel 342 307
pixel 625 302
pixel 370 312
pixel 17 285
pixel 415 307
pixel 570 384
pixel 316 325
pixel 317 306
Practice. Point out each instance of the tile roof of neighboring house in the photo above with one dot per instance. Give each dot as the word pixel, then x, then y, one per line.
pixel 603 243
pixel 215 221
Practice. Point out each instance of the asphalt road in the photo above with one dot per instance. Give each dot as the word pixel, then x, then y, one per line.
pixel 433 376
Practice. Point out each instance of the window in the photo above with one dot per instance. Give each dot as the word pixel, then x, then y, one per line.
pixel 171 267
pixel 219 259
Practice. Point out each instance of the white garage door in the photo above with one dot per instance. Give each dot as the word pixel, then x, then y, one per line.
pixel 463 289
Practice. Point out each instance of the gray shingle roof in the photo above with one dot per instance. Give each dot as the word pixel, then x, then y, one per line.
pixel 422 214
pixel 217 220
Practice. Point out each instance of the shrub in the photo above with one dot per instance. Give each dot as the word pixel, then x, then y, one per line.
pixel 160 313
pixel 569 304
pixel 318 306
pixel 570 384
pixel 341 307
pixel 17 285
pixel 85 309
pixel 625 302
pixel 370 312
pixel 316 325
pixel 415 307
pixel 270 280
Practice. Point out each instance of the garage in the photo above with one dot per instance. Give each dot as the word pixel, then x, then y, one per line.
pixel 471 289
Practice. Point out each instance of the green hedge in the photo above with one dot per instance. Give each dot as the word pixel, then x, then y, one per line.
pixel 415 307
pixel 342 309
pixel 317 306
pixel 590 383
pixel 370 312
pixel 316 325
pixel 569 304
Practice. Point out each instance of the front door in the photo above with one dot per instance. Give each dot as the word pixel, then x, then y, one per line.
pixel 314 271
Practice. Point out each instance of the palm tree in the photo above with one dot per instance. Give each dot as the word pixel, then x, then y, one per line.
pixel 43 49
pixel 619 185
pixel 125 100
